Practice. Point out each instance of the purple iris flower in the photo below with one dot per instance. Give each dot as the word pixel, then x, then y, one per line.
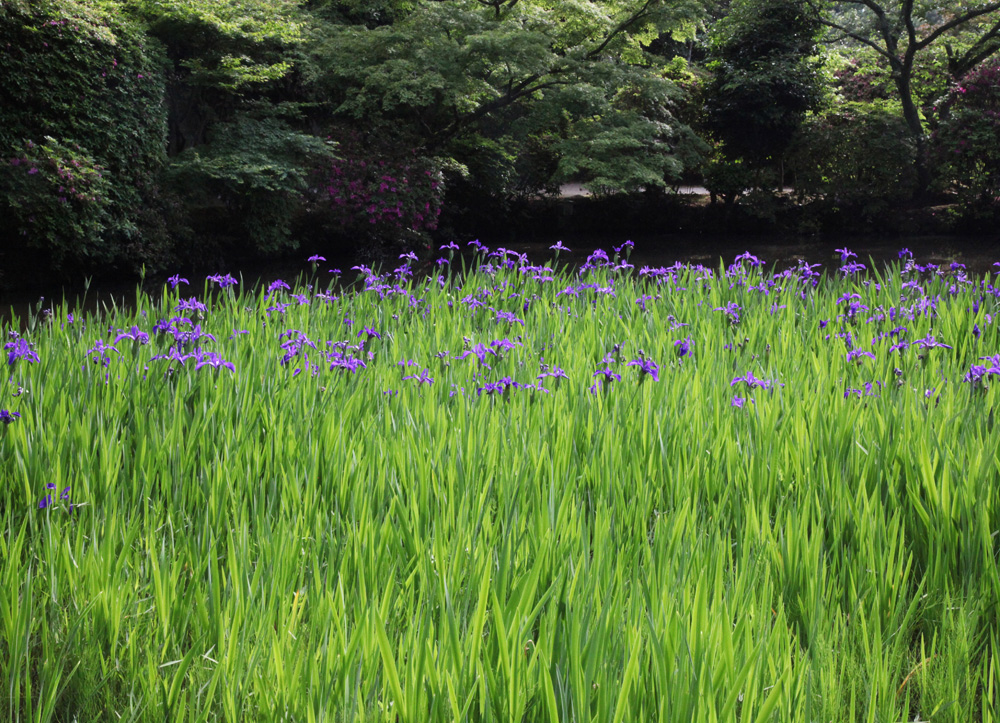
pixel 503 387
pixel 191 304
pixel 609 374
pixel 855 355
pixel 19 349
pixel 647 368
pixel 99 353
pixel 509 317
pixel 346 363
pixel 480 351
pixel 188 338
pixel 423 378
pixel 751 381
pixel 555 373
pixel 683 347
pixel 597 259
pixel 732 310
pixel 749 257
pixel 273 288
pixel 558 246
pixel 223 281
pixel 295 340
pixel 929 342
pixel 213 360
pixel 175 280
pixel 6 416
pixel 134 334
pixel 315 259
pixel 978 373
pixel 846 254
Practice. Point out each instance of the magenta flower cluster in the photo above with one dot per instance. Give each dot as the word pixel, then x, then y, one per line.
pixel 386 194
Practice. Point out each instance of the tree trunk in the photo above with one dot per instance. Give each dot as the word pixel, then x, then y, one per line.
pixel 911 115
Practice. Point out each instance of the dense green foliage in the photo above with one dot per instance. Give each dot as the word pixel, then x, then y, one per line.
pixel 199 130
pixel 82 131
pixel 518 94
pixel 244 186
pixel 765 77
pixel 458 499
pixel 902 32
pixel 860 154
pixel 968 138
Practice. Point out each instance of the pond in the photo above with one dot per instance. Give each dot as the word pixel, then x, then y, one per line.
pixel 978 253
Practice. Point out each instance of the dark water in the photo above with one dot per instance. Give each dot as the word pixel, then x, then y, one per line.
pixel 977 253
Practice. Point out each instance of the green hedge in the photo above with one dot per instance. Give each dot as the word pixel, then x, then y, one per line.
pixel 82 136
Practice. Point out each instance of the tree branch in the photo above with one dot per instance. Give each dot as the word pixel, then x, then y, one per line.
pixel 956 21
pixel 855 36
pixel 622 27
pixel 983 48
pixel 515 92
pixel 906 12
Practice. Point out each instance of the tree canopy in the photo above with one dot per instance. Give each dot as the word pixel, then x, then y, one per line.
pixel 200 129
pixel 901 30
pixel 463 73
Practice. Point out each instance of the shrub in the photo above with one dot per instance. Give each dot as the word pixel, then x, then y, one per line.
pixel 251 176
pixel 966 144
pixel 858 154
pixel 389 195
pixel 82 134
pixel 58 197
pixel 727 179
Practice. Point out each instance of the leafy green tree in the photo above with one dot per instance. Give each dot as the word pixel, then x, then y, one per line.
pixel 765 78
pixel 221 53
pixel 370 13
pixel 245 186
pixel 900 31
pixel 239 146
pixel 478 85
